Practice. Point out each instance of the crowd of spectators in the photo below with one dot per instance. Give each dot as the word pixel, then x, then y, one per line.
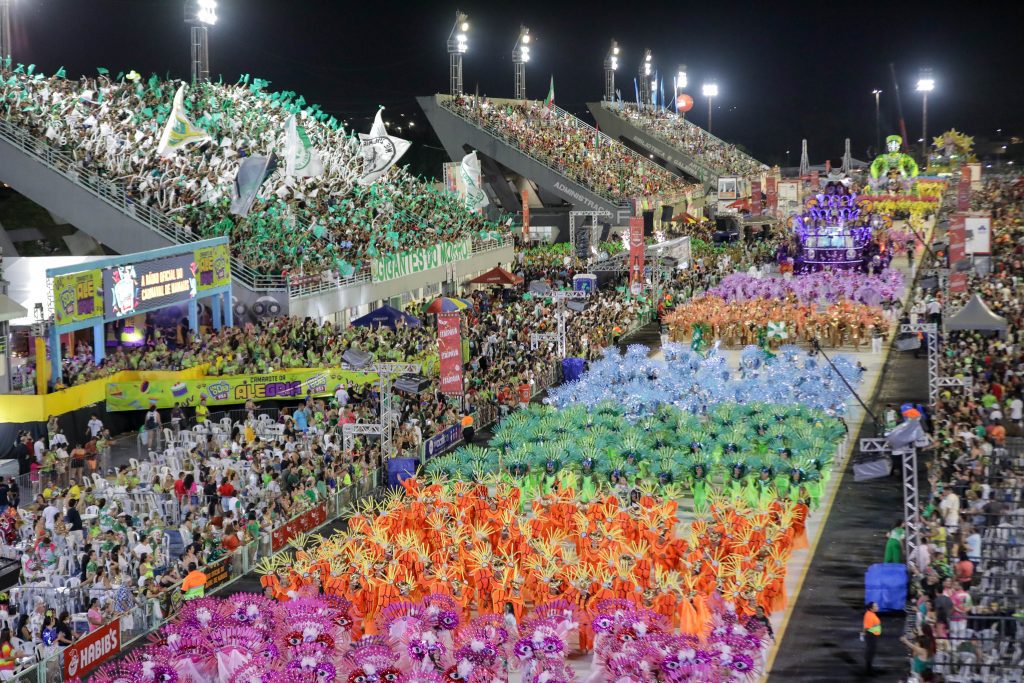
pixel 323 224
pixel 573 148
pixel 720 156
pixel 967 566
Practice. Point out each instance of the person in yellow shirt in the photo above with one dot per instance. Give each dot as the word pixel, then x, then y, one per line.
pixel 870 635
pixel 202 412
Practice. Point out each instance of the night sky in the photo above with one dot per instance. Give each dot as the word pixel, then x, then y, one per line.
pixel 785 70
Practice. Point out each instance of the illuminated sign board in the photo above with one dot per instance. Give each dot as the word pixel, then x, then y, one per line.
pixel 149 285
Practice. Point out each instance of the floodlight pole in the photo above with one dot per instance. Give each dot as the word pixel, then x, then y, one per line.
pixel 611 63
pixel 200 54
pixel 5 30
pixel 457 45
pixel 521 55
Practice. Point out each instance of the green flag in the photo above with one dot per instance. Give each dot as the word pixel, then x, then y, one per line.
pixel 549 101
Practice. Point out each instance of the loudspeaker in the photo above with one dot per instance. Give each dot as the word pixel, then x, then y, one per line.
pixel 411 383
pixel 606 229
pixel 648 223
pixel 666 213
pixel 356 359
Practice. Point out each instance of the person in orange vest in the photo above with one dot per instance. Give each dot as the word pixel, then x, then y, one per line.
pixel 467 428
pixel 194 585
pixel 870 635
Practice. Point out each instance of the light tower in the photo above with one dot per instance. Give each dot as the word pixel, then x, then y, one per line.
pixel 611 63
pixel 710 91
pixel 520 56
pixel 645 79
pixel 200 14
pixel 925 84
pixel 458 44
pixel 5 30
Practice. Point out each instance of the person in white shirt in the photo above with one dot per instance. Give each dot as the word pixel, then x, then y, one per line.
pixel 50 513
pixel 949 508
pixel 143 546
pixel 39 449
pixel 1016 409
pixel 341 396
pixel 972 544
pixel 95 426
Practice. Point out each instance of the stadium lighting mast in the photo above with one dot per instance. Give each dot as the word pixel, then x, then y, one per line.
pixel 200 14
pixel 458 44
pixel 680 83
pixel 5 29
pixel 925 84
pixel 611 63
pixel 878 120
pixel 646 67
pixel 710 92
pixel 520 56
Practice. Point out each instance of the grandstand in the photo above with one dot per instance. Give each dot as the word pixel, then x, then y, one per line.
pixel 679 144
pixel 561 161
pixel 86 150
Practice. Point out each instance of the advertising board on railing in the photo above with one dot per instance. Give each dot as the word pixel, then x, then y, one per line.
pixel 442 441
pixel 91 650
pixel 307 521
pixel 230 390
pixel 413 261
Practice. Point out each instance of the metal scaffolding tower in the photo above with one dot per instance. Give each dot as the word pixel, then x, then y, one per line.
pixel 389 415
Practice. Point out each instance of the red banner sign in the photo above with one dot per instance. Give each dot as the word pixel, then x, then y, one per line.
pixel 957 283
pixel 91 650
pixel 755 197
pixel 957 235
pixel 963 190
pixel 449 351
pixel 636 253
pixel 526 215
pixel 307 521
pixel 773 195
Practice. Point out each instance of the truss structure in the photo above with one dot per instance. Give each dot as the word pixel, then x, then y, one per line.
pixel 911 514
pixel 389 415
pixel 559 297
pixel 931 332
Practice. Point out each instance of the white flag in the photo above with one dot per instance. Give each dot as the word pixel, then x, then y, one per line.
pixel 380 151
pixel 179 131
pixel 300 159
pixel 470 172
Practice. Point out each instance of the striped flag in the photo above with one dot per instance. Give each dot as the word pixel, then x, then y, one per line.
pixel 549 101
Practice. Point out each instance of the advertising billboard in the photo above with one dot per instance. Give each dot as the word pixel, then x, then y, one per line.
pixel 149 285
pixel 78 296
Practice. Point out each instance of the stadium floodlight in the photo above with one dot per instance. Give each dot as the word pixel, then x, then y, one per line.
pixel 458 45
pixel 200 14
pixel 878 119
pixel 710 91
pixel 646 67
pixel 925 84
pixel 681 77
pixel 611 64
pixel 520 56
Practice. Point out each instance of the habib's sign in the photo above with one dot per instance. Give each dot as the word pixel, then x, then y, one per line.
pixel 449 350
pixel 307 521
pixel 93 649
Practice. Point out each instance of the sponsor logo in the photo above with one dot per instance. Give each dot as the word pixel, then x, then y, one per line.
pixel 92 650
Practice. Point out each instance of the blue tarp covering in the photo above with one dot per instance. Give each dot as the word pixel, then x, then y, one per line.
pixel 572 368
pixel 400 469
pixel 886 584
pixel 388 316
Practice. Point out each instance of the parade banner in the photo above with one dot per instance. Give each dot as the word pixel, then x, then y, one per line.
pixel 91 650
pixel 957 283
pixel 213 267
pixel 232 389
pixel 773 195
pixel 442 441
pixel 755 197
pixel 77 297
pixel 449 348
pixel 526 215
pixel 957 237
pixel 307 521
pixel 636 254
pixel 963 190
pixel 978 232
pixel 405 263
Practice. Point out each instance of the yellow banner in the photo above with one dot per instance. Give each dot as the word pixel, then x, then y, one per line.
pixel 231 390
pixel 78 296
pixel 213 267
